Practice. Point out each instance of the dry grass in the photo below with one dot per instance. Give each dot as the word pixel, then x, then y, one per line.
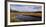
pixel 12 15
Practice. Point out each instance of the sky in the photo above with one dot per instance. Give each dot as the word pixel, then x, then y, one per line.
pixel 25 8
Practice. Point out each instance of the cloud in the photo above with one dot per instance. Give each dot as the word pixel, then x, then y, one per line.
pixel 26 8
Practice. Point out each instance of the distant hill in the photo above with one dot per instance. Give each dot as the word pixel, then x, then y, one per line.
pixel 18 11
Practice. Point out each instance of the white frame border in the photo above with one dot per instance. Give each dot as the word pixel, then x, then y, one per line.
pixel 19 23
